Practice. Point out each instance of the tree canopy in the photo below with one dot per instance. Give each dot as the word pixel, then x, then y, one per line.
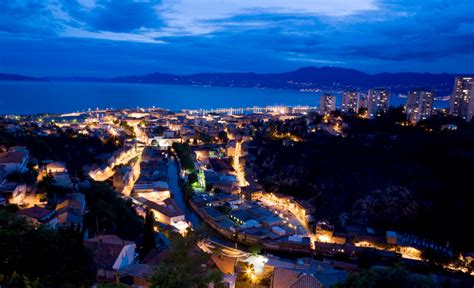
pixel 185 265
pixel 40 257
pixel 392 277
pixel 110 214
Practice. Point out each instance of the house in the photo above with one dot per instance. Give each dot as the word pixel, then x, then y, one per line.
pixel 59 173
pixel 135 275
pixel 14 160
pixel 166 212
pixel 227 266
pixel 62 179
pixel 202 156
pixel 252 192
pixel 110 254
pixel 55 167
pixel 230 148
pixel 221 166
pixel 15 193
pixel 303 210
pixel 40 216
pixel 168 134
pixel 71 211
pixel 154 191
pixel 320 277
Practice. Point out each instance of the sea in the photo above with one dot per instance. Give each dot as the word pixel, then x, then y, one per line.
pixel 24 97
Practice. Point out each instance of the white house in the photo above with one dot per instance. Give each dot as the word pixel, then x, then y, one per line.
pixel 110 254
pixel 14 160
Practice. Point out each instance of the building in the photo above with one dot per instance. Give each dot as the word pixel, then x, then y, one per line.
pixel 462 99
pixel 40 216
pixel 71 211
pixel 14 192
pixel 227 266
pixel 58 171
pixel 14 160
pixel 135 275
pixel 301 276
pixel 350 102
pixel 377 102
pixel 110 254
pixel 156 191
pixel 252 192
pixel 166 212
pixel 55 167
pixel 327 104
pixel 303 210
pixel 419 105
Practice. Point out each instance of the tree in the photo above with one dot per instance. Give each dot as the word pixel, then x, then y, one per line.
pixel 149 241
pixel 395 277
pixel 40 257
pixel 255 249
pixel 110 214
pixel 185 155
pixel 435 257
pixel 193 178
pixel 185 265
pixel 223 137
pixel 204 137
pixel 367 258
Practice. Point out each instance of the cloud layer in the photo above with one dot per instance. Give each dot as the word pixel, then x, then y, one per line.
pixel 88 37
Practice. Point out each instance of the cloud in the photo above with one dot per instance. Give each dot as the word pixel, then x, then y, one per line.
pixel 20 17
pixel 115 16
pixel 236 35
pixel 195 17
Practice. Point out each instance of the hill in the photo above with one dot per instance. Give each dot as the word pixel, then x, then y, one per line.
pixel 15 77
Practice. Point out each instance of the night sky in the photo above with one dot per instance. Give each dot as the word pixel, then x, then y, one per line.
pixel 112 38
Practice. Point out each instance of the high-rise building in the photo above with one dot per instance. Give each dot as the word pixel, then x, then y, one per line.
pixel 327 104
pixel 419 105
pixel 350 102
pixel 462 99
pixel 377 102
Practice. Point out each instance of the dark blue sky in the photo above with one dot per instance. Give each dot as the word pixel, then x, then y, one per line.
pixel 122 37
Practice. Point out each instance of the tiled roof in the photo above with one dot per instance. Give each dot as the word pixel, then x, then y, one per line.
pixel 225 264
pixel 106 249
pixel 306 281
pixel 35 212
pixel 169 208
pixel 12 157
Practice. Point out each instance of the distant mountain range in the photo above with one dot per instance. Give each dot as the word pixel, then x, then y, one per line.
pixel 15 77
pixel 307 78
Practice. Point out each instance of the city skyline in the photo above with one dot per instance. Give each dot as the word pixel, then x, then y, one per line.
pixel 93 38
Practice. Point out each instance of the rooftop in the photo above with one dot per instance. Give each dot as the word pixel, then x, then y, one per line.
pixel 106 249
pixel 143 271
pixel 36 212
pixel 221 165
pixel 167 207
pixel 12 157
